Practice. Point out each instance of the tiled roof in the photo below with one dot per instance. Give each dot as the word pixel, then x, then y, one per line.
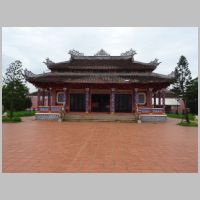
pixel 132 77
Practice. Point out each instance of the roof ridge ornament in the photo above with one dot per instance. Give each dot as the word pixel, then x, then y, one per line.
pixel 155 62
pixel 74 52
pixel 28 73
pixel 48 62
pixel 101 52
pixel 130 52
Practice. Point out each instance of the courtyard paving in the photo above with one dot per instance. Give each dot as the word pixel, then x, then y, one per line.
pixel 50 146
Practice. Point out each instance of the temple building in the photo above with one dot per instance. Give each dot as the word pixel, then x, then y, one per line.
pixel 101 84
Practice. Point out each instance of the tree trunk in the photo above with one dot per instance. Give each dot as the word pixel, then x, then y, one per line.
pixel 11 105
pixel 186 112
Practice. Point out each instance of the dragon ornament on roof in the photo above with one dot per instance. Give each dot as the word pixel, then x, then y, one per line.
pixel 48 62
pixel 28 73
pixel 130 52
pixel 73 53
pixel 155 62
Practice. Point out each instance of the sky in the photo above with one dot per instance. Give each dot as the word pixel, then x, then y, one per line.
pixel 32 45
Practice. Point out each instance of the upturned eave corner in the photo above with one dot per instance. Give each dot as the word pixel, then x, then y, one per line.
pixel 28 74
pixel 155 62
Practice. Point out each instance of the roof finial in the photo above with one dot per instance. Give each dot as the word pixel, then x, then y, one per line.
pixel 102 53
pixel 73 53
pixel 130 52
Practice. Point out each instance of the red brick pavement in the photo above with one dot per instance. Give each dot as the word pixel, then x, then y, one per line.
pixel 46 146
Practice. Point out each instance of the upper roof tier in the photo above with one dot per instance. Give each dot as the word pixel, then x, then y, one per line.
pixel 100 68
pixel 102 60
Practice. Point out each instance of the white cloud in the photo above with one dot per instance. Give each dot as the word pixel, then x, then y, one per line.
pixel 32 45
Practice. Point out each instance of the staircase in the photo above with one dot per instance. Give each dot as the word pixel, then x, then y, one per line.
pixel 101 117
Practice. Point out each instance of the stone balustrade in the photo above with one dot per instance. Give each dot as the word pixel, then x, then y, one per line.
pixel 146 110
pixel 45 109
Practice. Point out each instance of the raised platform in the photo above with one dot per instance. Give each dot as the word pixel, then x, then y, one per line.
pixel 47 116
pixel 106 117
pixel 153 118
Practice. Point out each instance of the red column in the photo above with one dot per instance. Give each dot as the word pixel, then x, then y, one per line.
pixel 133 101
pixel 49 99
pixel 87 98
pixel 43 96
pixel 163 98
pixel 90 101
pixel 149 97
pixel 136 99
pixel 154 99
pixel 159 98
pixel 65 98
pixel 53 97
pixel 38 98
pixel 68 101
pixel 89 106
pixel 112 101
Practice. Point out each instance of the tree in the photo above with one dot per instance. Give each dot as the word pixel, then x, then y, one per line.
pixel 192 96
pixel 14 91
pixel 182 80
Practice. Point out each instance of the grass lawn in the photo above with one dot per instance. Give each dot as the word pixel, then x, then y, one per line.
pixel 192 123
pixel 180 116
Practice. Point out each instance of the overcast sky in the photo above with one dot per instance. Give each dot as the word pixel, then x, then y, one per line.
pixel 33 45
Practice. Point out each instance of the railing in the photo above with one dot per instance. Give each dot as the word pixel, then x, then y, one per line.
pixel 43 108
pixel 54 109
pixel 151 110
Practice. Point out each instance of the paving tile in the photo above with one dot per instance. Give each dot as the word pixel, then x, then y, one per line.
pixel 50 146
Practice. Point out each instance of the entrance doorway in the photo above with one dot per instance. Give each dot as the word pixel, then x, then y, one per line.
pixel 100 103
pixel 77 102
pixel 123 103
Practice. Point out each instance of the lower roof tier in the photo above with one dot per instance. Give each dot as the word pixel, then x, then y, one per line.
pixel 70 77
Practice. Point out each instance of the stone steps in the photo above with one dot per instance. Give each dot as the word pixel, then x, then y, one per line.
pixel 100 117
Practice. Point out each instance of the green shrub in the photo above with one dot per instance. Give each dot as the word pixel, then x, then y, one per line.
pixel 23 113
pixel 14 119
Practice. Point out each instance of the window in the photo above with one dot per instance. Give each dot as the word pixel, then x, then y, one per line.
pixel 60 97
pixel 141 98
